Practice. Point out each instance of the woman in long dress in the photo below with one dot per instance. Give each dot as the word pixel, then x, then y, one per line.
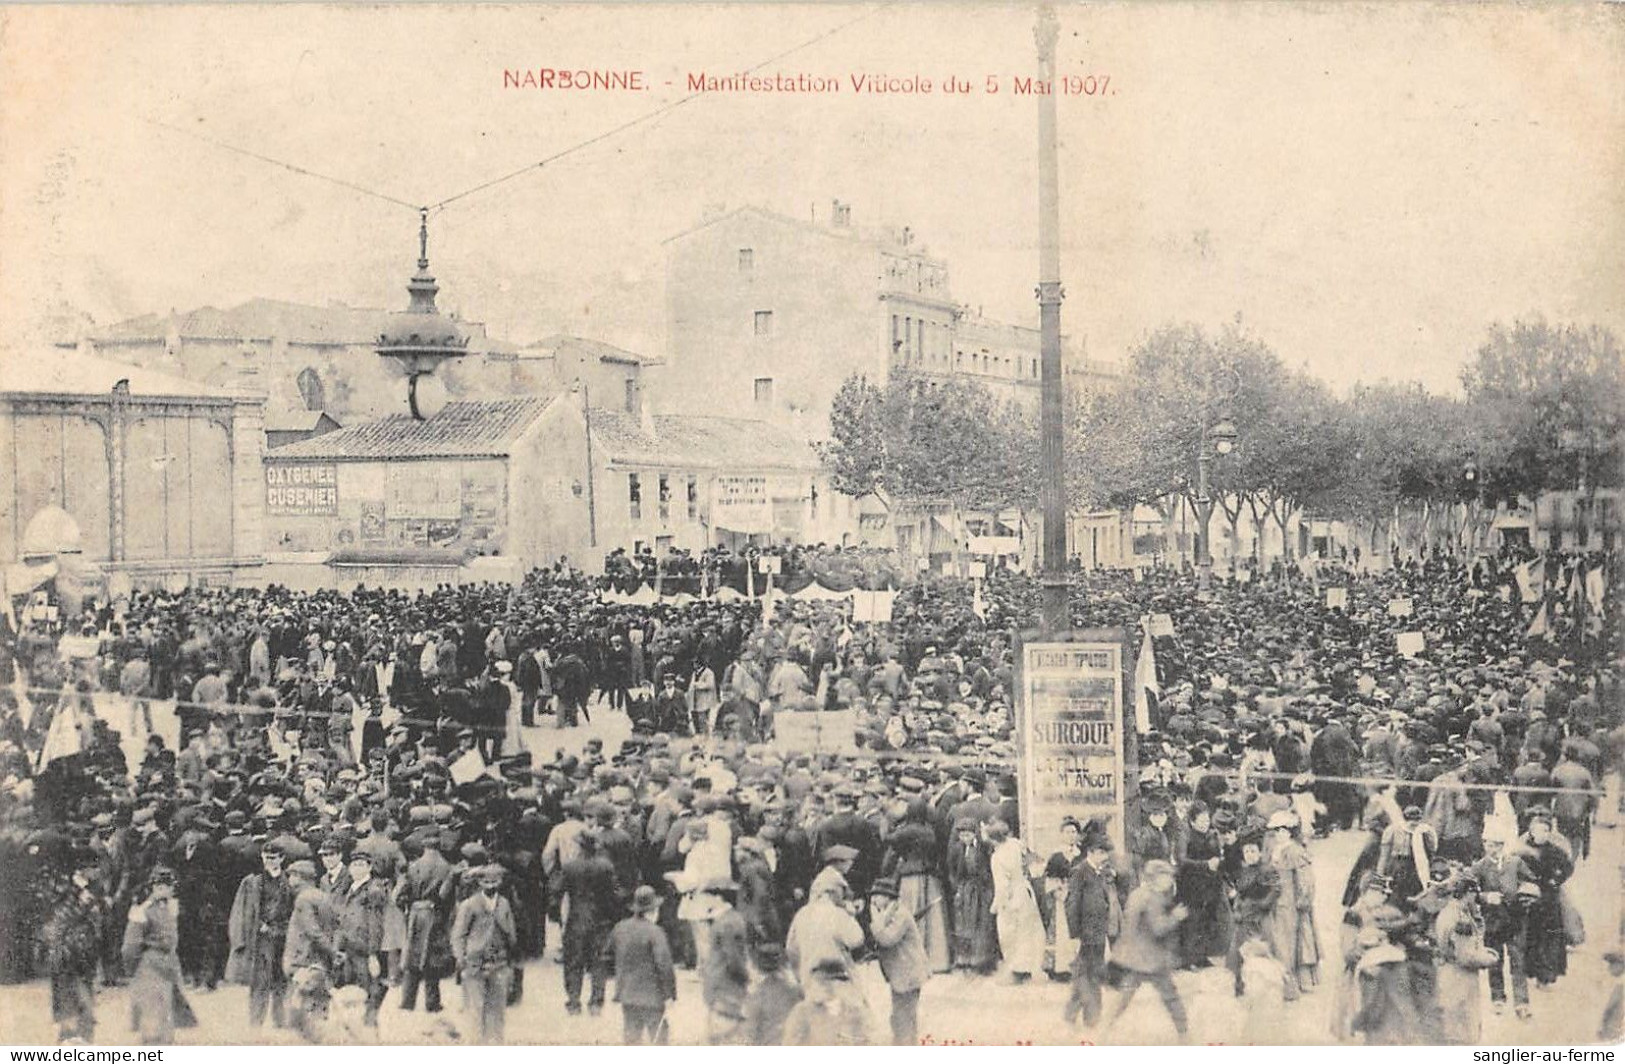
pixel 913 858
pixel 1205 934
pixel 151 941
pixel 970 878
pixel 1546 957
pixel 1291 924
pixel 1015 906
pixel 1459 938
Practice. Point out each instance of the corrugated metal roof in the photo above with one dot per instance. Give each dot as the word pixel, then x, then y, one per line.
pixel 698 442
pixel 461 430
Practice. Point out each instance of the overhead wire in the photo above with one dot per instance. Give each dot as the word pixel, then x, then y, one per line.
pixel 291 167
pixel 649 116
pixel 440 205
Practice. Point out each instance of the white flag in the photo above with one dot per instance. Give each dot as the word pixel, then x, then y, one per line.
pixel 1145 684
pixel 471 766
pixel 63 740
pixel 1531 577
pixel 1595 588
pixel 1540 626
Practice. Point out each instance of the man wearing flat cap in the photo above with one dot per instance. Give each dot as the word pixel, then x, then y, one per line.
pixel 485 943
pixel 360 913
pixel 1148 948
pixel 309 955
pixel 258 931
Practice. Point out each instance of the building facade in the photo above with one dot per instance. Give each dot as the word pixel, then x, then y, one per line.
pixel 465 494
pixel 160 475
pixel 692 482
pixel 771 314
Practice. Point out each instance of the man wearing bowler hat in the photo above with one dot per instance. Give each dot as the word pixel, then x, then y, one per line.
pixel 644 977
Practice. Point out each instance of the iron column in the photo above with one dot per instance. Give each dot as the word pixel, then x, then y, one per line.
pixel 1052 425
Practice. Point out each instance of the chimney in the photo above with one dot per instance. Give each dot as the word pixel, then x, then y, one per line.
pixel 640 399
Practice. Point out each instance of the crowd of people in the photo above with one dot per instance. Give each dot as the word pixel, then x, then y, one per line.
pixel 793 566
pixel 355 809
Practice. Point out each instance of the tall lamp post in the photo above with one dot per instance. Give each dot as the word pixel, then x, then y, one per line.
pixel 1220 439
pixel 1056 616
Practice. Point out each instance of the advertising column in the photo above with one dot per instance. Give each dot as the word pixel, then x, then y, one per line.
pixel 1070 753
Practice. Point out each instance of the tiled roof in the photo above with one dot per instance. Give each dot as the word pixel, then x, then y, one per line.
pixel 698 442
pixel 461 430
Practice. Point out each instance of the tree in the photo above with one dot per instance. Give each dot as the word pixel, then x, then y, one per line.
pixel 1545 404
pixel 932 442
pixel 857 450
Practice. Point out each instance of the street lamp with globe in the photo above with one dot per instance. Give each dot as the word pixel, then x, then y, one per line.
pixel 1220 439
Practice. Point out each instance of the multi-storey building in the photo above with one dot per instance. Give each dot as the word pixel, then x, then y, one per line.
pixel 770 314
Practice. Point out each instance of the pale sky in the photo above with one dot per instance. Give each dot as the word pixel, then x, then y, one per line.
pixel 1367 186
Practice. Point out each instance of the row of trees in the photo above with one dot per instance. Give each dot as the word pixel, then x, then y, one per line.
pixel 1539 410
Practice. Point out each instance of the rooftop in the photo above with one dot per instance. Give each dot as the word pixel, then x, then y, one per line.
pixel 564 345
pixel 258 319
pixel 69 372
pixel 885 239
pixel 295 420
pixel 698 442
pixel 466 429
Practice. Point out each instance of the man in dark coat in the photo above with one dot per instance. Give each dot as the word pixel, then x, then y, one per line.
pixel 645 979
pixel 1093 918
pixel 527 676
pixel 360 918
pixel 847 828
pixel 258 928
pixel 589 885
pixel 194 859
pixel 573 683
pixel 1333 753
pixel 427 896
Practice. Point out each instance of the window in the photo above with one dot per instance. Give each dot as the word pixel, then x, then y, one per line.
pixel 634 496
pixel 747 260
pixel 896 338
pixel 665 497
pixel 764 390
pixel 311 392
pixel 1035 367
pixel 693 498
pixel 631 400
pixel 764 323
pixel 908 338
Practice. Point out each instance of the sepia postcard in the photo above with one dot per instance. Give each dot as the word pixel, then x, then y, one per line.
pixel 862 524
